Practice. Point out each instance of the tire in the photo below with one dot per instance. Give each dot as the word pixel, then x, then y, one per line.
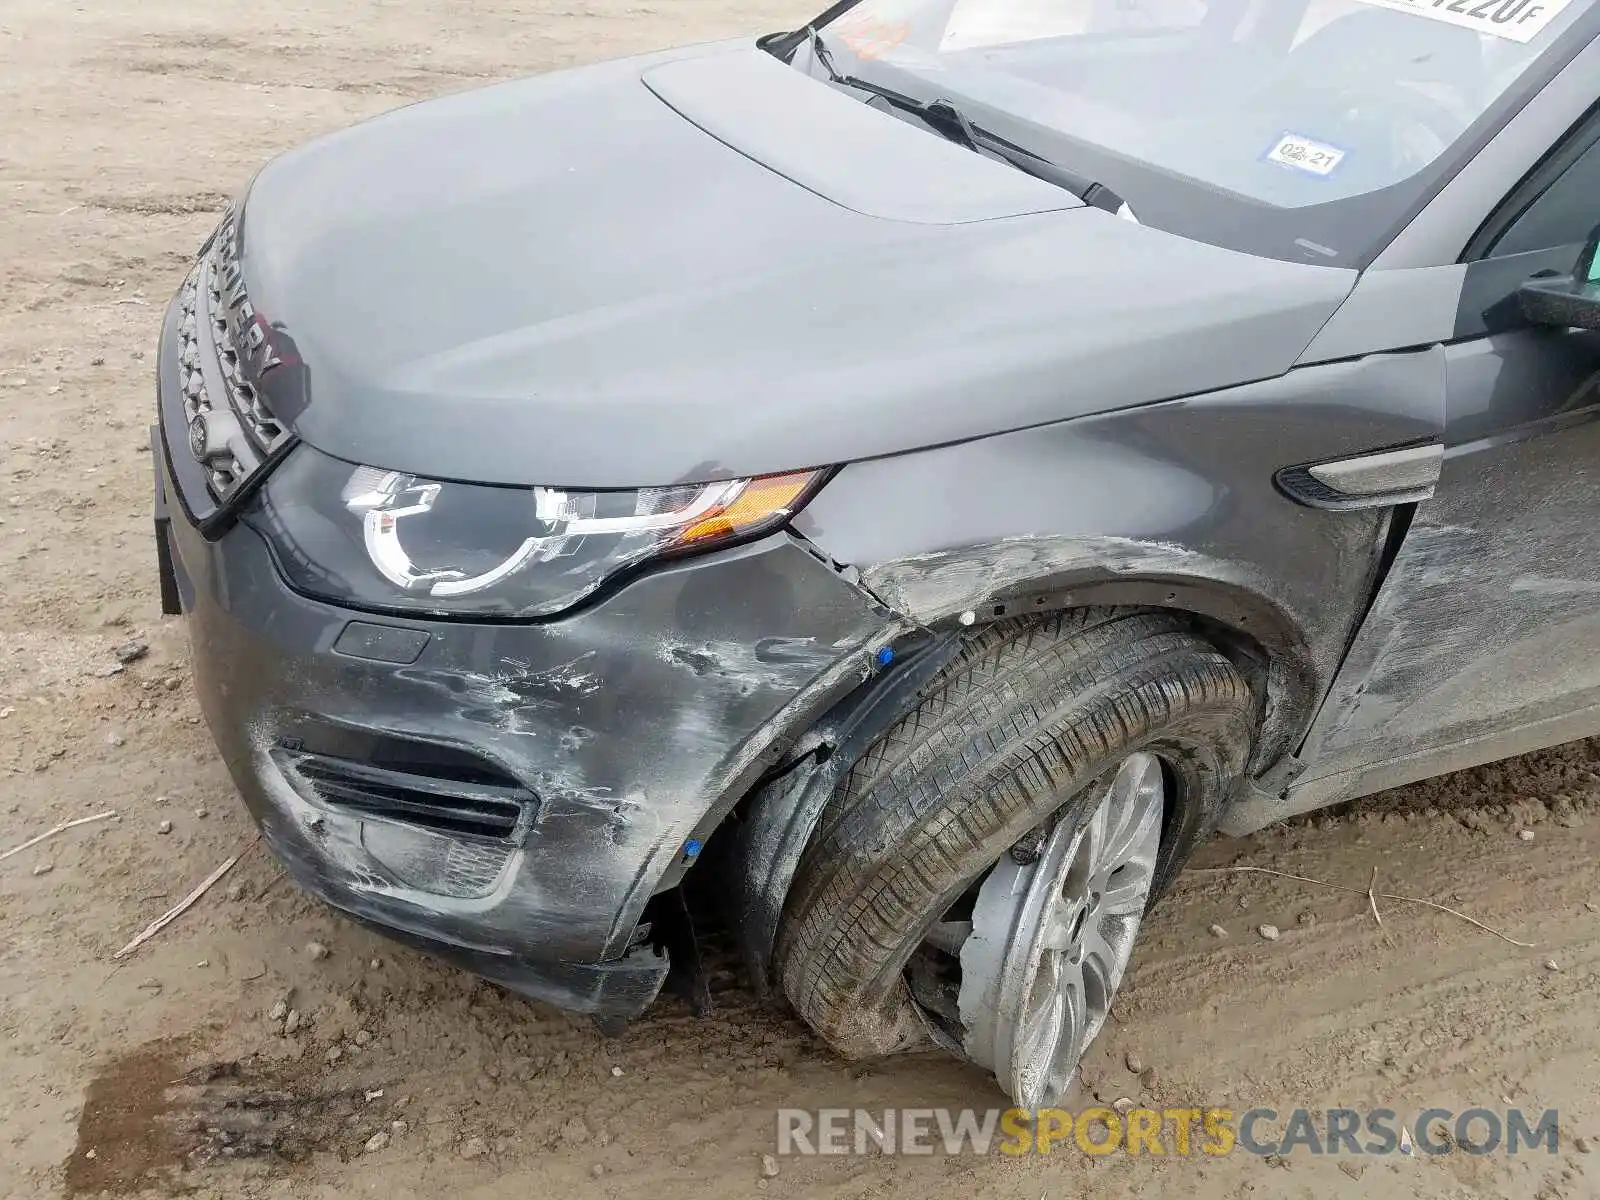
pixel 1023 720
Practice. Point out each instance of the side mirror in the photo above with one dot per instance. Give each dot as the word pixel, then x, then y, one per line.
pixel 1567 301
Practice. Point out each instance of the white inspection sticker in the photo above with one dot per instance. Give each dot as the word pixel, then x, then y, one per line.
pixel 1516 20
pixel 1305 154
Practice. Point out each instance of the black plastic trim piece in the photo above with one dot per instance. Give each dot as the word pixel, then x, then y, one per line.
pixel 166 570
pixel 782 816
pixel 430 801
pixel 615 991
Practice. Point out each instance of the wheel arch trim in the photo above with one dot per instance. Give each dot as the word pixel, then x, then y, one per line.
pixel 785 806
pixel 1041 575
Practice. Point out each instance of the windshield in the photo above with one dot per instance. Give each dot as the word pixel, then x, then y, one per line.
pixel 1300 129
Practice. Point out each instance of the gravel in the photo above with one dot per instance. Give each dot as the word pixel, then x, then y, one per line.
pixel 316 951
pixel 474 1147
pixel 769 1167
pixel 377 1142
pixel 1270 932
pixel 131 652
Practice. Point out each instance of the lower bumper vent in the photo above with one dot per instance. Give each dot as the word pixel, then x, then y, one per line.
pixel 442 802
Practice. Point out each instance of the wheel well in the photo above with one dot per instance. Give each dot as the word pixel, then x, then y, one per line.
pixel 1046 710
pixel 1252 633
pixel 1266 654
pixel 772 821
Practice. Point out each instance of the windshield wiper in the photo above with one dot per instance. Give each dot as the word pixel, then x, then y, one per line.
pixel 1090 191
pixel 947 119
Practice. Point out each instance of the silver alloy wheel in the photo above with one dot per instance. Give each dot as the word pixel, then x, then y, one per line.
pixel 1051 939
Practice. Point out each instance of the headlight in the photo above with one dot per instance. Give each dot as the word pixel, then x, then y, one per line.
pixel 387 539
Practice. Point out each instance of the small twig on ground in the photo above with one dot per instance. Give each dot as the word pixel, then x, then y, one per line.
pixel 61 828
pixel 182 906
pixel 1372 899
pixel 1368 892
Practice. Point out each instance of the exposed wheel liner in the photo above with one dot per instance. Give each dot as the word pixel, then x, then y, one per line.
pixel 783 813
pixel 1025 717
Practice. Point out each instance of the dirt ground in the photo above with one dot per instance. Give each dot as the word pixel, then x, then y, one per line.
pixel 122 128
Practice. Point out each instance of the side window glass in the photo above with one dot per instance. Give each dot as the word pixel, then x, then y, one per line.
pixel 1563 215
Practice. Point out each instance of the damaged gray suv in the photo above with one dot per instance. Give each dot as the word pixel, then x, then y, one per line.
pixel 914 476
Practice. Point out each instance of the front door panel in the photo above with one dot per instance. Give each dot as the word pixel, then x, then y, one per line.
pixel 1488 623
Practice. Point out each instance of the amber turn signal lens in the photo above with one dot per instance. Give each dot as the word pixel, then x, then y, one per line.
pixel 760 502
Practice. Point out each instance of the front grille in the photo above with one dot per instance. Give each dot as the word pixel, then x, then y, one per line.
pixel 231 432
pixel 208 430
pixel 431 796
pixel 243 397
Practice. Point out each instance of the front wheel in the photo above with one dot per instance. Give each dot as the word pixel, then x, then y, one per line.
pixel 982 871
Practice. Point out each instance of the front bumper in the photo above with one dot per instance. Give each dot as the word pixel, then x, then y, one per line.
pixel 635 723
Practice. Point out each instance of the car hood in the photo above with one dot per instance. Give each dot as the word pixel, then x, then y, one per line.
pixel 704 264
